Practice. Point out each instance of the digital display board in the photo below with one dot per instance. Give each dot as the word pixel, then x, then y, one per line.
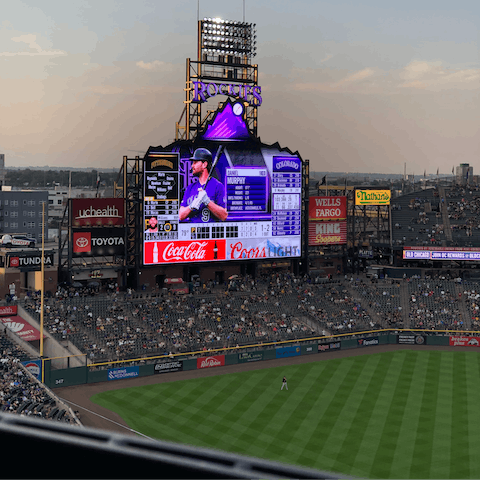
pixel 439 253
pixel 249 205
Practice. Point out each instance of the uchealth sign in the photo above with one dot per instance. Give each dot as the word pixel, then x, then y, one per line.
pixel 97 212
pixel 7 310
pixel 327 233
pixel 21 327
pixel 327 208
pixel 92 243
pixel 29 262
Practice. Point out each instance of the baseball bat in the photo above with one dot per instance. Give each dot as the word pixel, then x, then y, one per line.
pixel 214 164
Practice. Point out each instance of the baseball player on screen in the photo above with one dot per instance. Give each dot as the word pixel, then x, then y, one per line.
pixel 204 200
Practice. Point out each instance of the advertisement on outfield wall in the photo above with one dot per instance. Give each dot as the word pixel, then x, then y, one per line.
pixel 97 212
pixel 460 341
pixel 246 357
pixel 120 373
pixel 208 362
pixel 372 197
pixel 327 233
pixel 367 342
pixel 411 339
pixel 176 366
pixel 283 352
pixel 325 347
pixel 98 242
pixel 327 208
pixel 220 202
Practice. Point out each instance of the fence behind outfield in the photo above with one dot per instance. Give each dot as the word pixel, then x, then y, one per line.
pixel 141 367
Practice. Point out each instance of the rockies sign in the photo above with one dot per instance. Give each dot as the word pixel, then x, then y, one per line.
pixel 93 243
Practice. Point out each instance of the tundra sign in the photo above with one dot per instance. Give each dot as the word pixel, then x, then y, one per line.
pixel 30 262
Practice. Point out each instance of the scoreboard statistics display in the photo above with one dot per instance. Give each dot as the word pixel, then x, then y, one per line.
pixel 262 197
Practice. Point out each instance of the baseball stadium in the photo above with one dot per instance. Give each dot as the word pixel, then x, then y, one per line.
pixel 228 315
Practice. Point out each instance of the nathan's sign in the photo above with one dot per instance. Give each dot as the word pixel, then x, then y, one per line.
pixel 98 242
pixel 97 212
pixel 249 93
pixel 372 197
pixel 327 233
pixel 327 208
pixel 28 262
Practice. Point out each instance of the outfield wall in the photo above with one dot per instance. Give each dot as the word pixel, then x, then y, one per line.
pixel 198 360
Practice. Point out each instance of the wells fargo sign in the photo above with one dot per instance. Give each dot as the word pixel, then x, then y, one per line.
pixel 372 197
pixel 327 208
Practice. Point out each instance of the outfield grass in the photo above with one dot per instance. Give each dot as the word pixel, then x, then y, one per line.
pixel 402 414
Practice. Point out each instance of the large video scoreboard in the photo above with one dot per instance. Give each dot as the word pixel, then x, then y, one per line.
pixel 261 192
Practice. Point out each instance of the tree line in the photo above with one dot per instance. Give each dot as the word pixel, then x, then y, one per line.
pixel 29 178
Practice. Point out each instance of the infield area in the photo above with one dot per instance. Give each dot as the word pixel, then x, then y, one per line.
pixel 398 414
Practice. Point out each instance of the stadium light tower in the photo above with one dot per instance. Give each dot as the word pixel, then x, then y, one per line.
pixel 223 67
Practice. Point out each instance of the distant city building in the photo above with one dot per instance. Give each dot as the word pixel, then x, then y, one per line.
pixel 464 174
pixel 21 212
pixel 2 169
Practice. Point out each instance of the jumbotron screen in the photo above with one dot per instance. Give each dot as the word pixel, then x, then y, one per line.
pixel 221 203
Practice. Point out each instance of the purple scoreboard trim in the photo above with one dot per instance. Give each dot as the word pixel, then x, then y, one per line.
pixel 227 126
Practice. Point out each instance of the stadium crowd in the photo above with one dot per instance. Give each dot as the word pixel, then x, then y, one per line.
pixel 21 393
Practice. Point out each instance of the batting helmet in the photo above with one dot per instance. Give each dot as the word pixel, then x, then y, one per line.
pixel 202 155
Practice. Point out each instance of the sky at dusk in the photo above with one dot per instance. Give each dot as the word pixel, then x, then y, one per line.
pixel 353 86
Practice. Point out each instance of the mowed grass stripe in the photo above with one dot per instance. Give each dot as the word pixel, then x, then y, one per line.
pixel 332 426
pixel 376 369
pixel 396 439
pixel 422 454
pixel 459 444
pixel 473 395
pixel 440 455
pixel 372 438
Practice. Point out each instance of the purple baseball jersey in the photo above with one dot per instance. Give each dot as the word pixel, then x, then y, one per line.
pixel 215 191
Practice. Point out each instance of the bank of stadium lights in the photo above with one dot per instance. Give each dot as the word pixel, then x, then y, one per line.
pixel 225 37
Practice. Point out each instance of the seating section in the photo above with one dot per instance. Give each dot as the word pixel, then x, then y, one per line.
pixel 20 393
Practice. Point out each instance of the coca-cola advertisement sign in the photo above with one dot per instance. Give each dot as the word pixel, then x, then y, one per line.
pixel 208 362
pixel 97 212
pixel 184 251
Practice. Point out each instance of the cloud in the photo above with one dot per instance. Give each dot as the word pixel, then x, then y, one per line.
pixel 35 49
pixel 433 76
pixel 156 65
